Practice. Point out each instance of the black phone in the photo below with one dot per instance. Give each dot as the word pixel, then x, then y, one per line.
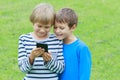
pixel 45 46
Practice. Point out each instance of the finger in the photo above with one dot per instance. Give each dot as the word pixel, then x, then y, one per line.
pixel 40 51
pixel 49 53
pixel 45 57
pixel 48 56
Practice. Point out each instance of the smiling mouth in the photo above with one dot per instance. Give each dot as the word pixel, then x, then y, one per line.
pixel 59 34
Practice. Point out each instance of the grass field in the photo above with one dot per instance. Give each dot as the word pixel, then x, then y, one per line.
pixel 98 27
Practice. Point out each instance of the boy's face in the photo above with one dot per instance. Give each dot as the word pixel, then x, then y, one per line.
pixel 62 30
pixel 41 30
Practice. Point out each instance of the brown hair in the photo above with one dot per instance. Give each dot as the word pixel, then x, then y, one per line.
pixel 43 13
pixel 66 15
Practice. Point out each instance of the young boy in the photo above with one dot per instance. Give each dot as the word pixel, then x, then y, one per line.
pixel 35 62
pixel 76 54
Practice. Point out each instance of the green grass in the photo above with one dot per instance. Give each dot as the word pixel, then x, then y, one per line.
pixel 98 27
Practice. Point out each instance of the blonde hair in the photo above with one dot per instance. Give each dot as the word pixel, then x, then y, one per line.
pixel 43 13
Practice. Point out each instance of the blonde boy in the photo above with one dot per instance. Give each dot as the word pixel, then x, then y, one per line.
pixel 35 62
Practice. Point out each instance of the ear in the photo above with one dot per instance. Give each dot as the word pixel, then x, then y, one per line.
pixel 73 27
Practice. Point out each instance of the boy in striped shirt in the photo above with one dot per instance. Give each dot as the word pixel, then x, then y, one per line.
pixel 35 62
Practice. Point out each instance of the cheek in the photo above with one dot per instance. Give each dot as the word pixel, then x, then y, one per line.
pixel 66 32
pixel 54 30
pixel 48 30
pixel 35 28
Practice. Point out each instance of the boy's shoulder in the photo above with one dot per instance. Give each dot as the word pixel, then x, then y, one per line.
pixel 51 35
pixel 82 44
pixel 54 38
pixel 27 35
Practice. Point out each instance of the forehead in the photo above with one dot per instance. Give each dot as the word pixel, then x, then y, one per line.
pixel 42 24
pixel 58 24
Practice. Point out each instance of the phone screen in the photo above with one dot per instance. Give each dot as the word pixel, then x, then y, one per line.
pixel 45 46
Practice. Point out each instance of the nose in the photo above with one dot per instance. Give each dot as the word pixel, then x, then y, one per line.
pixel 57 30
pixel 42 30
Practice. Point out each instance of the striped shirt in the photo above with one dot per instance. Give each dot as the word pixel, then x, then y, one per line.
pixel 39 70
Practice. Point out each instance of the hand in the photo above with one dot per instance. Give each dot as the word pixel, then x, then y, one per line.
pixel 36 52
pixel 46 56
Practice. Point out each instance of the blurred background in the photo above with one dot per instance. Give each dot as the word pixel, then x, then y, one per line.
pixel 98 27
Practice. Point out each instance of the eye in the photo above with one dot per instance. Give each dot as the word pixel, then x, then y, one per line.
pixel 55 27
pixel 39 26
pixel 47 27
pixel 61 28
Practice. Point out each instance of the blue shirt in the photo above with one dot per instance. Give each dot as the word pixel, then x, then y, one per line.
pixel 77 59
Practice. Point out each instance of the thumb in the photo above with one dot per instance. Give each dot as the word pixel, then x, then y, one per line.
pixel 49 53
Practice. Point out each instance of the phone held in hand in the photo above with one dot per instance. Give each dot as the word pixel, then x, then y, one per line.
pixel 44 46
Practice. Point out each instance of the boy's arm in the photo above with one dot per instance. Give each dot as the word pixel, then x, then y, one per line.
pixel 84 64
pixel 23 59
pixel 57 65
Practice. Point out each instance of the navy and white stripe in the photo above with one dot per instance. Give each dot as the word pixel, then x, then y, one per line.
pixel 39 70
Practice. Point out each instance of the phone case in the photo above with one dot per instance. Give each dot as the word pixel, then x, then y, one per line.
pixel 45 46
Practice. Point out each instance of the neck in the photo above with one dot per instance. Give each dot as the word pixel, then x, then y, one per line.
pixel 69 39
pixel 37 37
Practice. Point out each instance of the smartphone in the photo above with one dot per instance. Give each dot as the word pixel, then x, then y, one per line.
pixel 45 46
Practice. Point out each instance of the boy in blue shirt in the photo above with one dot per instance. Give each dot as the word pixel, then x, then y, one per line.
pixel 76 53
